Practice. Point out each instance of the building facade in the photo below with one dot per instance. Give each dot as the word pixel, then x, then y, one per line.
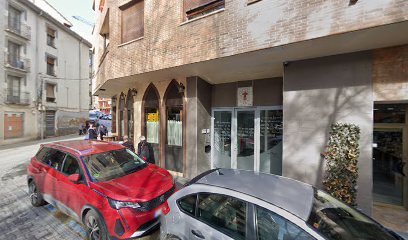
pixel 257 84
pixel 44 72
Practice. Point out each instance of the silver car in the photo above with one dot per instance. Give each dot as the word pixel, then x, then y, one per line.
pixel 237 204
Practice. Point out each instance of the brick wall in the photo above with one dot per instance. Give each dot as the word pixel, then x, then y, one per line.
pixel 390 74
pixel 13 125
pixel 169 42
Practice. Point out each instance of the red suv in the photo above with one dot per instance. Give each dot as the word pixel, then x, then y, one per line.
pixel 105 186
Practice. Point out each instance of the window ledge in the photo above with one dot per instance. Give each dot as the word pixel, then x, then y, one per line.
pixel 131 41
pixel 204 16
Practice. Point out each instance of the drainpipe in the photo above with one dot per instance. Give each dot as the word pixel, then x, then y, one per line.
pixel 80 75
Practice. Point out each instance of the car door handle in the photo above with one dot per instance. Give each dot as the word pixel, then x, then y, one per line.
pixel 197 234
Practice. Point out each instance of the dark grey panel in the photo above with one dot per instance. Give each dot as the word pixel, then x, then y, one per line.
pixel 268 92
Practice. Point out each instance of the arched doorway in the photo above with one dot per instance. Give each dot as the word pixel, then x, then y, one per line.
pixel 151 120
pixel 174 123
pixel 130 114
pixel 121 124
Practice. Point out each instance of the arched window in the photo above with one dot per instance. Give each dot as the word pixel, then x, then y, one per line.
pixel 121 115
pixel 151 120
pixel 174 127
pixel 130 113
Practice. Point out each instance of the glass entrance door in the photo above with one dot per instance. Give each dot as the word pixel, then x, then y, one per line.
pixel 247 138
pixel 388 166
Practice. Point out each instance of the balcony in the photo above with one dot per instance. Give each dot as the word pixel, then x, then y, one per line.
pixel 18 28
pixel 20 63
pixel 22 99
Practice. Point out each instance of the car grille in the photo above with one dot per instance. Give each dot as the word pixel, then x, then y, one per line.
pixel 147 206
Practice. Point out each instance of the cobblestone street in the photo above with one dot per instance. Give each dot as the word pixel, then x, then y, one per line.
pixel 18 219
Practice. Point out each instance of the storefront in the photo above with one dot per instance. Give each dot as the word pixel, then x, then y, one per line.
pixel 247 138
pixel 390 153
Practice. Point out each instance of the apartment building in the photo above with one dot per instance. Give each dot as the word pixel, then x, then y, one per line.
pixel 257 84
pixel 44 72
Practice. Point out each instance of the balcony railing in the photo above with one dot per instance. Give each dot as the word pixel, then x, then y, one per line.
pixel 22 99
pixel 18 28
pixel 17 62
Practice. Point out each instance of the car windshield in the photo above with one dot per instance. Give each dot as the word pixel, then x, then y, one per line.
pixel 92 115
pixel 113 164
pixel 335 220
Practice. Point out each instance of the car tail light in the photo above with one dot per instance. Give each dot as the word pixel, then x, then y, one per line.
pixel 165 208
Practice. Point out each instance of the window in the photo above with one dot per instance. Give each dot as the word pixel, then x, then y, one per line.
pixel 50 92
pixel 113 164
pixel 54 159
pixel 41 154
pixel 13 89
pixel 132 21
pixel 13 57
pixel 71 166
pixel 188 204
pixel 51 34
pixel 273 226
pixel 197 8
pixel 14 19
pixel 335 220
pixel 224 213
pixel 51 66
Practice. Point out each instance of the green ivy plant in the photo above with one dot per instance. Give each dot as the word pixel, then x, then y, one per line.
pixel 341 157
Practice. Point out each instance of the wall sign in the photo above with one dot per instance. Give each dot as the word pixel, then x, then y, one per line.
pixel 245 97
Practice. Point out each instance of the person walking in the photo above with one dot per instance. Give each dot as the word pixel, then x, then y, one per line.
pixel 103 131
pixel 127 143
pixel 145 151
pixel 92 132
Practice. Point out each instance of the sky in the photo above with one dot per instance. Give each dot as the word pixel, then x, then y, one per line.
pixel 82 8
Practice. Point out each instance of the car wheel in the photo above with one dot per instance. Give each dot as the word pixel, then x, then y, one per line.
pixel 36 198
pixel 95 226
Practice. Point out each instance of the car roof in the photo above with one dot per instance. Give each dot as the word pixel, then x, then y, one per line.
pixel 86 147
pixel 291 195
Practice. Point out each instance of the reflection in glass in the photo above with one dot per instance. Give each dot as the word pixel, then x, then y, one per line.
pixel 271 141
pixel 388 166
pixel 245 139
pixel 389 113
pixel 222 139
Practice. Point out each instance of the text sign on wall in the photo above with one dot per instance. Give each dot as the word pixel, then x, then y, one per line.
pixel 245 97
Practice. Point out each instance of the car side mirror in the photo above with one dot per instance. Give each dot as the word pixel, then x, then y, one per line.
pixel 74 178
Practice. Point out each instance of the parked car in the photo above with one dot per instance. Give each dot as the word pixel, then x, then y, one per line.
pixel 105 186
pixel 237 204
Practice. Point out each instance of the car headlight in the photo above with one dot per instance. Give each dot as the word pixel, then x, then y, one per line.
pixel 119 204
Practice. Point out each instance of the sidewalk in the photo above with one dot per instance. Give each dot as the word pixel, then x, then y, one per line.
pixel 46 140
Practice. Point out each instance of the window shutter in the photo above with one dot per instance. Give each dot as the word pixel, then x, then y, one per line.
pixel 50 91
pixel 133 22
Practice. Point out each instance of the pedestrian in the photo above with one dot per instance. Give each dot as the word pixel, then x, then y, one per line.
pixel 81 129
pixel 92 132
pixel 145 151
pixel 127 143
pixel 103 131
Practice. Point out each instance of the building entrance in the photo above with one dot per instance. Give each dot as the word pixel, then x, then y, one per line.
pixel 247 138
pixel 390 155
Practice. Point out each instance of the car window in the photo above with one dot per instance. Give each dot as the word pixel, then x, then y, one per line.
pixel 188 204
pixel 224 213
pixel 113 164
pixel 54 158
pixel 71 166
pixel 274 227
pixel 41 153
pixel 335 220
